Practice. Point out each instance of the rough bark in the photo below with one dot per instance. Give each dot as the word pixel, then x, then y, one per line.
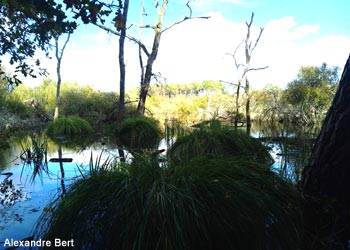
pixel 326 180
pixel 328 172
pixel 121 103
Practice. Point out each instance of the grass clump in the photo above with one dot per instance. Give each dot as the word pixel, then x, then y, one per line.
pixel 140 133
pixel 69 126
pixel 231 203
pixel 217 141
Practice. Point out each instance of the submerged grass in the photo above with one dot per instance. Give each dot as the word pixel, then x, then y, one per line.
pixel 34 156
pixel 227 203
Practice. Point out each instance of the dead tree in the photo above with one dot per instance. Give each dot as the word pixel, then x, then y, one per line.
pixel 147 73
pixel 59 54
pixel 150 55
pixel 243 77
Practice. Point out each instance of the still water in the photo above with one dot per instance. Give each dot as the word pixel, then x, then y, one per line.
pixel 22 198
pixel 289 148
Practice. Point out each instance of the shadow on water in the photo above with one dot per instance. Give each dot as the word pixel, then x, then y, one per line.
pixel 290 146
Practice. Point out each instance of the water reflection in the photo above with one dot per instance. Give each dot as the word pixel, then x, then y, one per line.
pixel 40 179
pixel 290 146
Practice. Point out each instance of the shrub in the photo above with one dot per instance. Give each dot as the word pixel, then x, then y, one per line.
pixel 216 141
pixel 139 133
pixel 230 203
pixel 69 126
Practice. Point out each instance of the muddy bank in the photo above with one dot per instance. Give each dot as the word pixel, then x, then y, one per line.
pixel 10 122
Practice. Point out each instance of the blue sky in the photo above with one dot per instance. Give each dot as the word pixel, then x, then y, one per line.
pixel 331 15
pixel 297 33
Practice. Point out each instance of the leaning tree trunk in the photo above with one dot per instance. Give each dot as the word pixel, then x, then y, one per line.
pixel 328 172
pixel 145 85
pixel 326 180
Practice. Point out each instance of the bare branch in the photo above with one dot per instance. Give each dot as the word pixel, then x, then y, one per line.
pixel 140 36
pixel 189 7
pixel 231 83
pixel 186 18
pixel 60 55
pixel 251 20
pixel 234 54
pixel 183 20
pixel 257 40
pixel 251 69
pixel 131 38
pixel 251 49
pixel 145 26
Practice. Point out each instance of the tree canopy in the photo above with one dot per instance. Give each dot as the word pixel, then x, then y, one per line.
pixel 309 93
pixel 28 26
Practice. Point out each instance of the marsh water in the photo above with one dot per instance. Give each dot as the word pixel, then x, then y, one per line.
pixel 289 146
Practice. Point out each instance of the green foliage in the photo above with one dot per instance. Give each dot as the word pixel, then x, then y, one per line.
pixel 9 102
pixel 188 89
pixel 305 101
pixel 85 102
pixel 309 96
pixel 17 107
pixel 202 204
pixel 94 106
pixel 30 25
pixel 216 141
pixel 318 76
pixel 266 104
pixel 189 103
pixel 139 133
pixel 69 126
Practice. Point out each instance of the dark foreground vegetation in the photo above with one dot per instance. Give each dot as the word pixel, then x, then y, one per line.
pixel 214 198
pixel 215 187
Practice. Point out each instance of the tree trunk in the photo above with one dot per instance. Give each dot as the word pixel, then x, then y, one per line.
pixel 326 180
pixel 328 172
pixel 59 55
pixel 58 89
pixel 247 105
pixel 152 57
pixel 237 103
pixel 121 103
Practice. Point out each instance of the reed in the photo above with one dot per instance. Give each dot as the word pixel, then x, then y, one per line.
pixel 34 156
pixel 139 133
pixel 222 203
pixel 217 141
pixel 69 126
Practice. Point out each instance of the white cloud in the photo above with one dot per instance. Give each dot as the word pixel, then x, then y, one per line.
pixel 287 29
pixel 197 50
